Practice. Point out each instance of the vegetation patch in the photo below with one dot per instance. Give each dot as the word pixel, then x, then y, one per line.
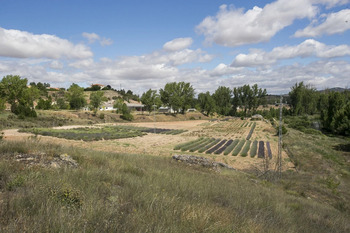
pixel 253 149
pixel 246 148
pixel 215 148
pixel 251 131
pixel 238 147
pixel 261 152
pixel 231 146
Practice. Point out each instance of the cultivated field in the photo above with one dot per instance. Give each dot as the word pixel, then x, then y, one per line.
pixel 124 138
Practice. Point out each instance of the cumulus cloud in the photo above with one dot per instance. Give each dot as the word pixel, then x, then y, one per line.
pixel 234 27
pixel 21 44
pixel 308 48
pixel 333 23
pixel 93 37
pixel 178 44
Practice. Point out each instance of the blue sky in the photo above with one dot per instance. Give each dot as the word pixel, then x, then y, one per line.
pixel 145 44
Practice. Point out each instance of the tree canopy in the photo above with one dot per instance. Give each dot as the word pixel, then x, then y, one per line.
pixel 178 96
pixel 75 96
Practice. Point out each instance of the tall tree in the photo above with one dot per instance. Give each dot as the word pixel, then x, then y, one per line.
pixel 150 98
pixel 303 99
pixel 178 96
pixel 206 103
pixel 14 89
pixel 248 98
pixel 96 99
pixel 222 97
pixel 75 96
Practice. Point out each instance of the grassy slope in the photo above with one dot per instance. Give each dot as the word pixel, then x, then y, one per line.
pixel 132 193
pixel 323 169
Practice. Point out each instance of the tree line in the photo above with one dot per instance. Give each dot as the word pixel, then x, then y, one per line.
pixel 333 108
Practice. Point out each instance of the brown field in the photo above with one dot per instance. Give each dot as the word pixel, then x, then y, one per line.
pixel 162 145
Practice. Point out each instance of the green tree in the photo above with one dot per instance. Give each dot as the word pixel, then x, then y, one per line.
pixel 248 98
pixel 96 99
pixel 15 91
pixel 178 96
pixel 118 104
pixel 149 99
pixel 2 104
pixel 206 103
pixel 75 96
pixel 61 103
pixel 44 104
pixel 222 97
pixel 303 99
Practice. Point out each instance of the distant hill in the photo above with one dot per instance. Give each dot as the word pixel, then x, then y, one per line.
pixel 334 89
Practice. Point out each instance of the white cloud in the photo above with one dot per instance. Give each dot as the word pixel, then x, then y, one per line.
pixel 234 27
pixel 308 48
pixel 334 23
pixel 92 37
pixel 21 44
pixel 177 44
pixel 106 41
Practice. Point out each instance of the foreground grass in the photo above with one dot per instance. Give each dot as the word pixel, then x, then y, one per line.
pixel 323 168
pixel 112 192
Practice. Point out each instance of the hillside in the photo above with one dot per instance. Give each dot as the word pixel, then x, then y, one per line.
pixel 133 185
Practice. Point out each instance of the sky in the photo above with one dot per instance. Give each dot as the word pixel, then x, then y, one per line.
pixel 138 44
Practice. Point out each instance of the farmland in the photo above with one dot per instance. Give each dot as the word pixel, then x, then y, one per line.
pixel 221 140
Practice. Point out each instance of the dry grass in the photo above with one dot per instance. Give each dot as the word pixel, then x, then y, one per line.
pixel 131 193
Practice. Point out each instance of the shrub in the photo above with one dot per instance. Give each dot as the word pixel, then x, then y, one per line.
pixel 102 116
pixel 127 117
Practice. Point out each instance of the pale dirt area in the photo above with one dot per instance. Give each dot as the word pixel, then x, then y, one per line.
pixel 162 145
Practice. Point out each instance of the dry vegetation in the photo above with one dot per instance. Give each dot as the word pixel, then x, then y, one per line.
pixel 133 185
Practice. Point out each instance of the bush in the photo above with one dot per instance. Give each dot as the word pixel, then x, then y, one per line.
pixel 127 117
pixel 102 116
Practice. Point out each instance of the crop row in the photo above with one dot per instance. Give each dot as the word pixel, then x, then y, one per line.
pixel 87 134
pixel 99 133
pixel 235 147
pixel 251 131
